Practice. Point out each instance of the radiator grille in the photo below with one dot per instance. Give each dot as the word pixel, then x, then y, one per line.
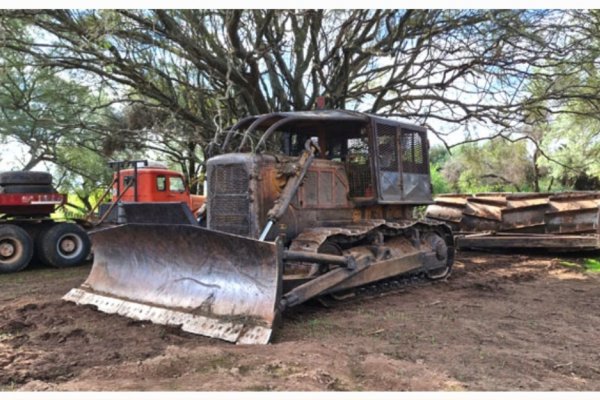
pixel 229 205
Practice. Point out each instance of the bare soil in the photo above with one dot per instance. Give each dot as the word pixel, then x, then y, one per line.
pixel 501 322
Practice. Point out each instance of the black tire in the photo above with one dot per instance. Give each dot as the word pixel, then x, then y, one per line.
pixel 63 245
pixel 16 248
pixel 25 178
pixel 27 189
pixel 38 241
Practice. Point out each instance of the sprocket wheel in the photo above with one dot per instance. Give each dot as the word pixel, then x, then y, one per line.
pixel 438 244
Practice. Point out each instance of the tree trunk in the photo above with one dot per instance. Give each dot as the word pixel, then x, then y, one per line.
pixel 536 171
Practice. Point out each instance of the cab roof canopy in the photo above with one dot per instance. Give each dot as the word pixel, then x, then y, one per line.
pixel 303 121
pixel 327 122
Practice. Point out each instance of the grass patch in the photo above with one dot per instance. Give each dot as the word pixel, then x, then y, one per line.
pixel 569 264
pixel 591 265
pixel 588 265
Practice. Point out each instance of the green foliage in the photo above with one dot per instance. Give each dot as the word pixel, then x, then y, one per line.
pixel 84 175
pixel 438 155
pixel 592 265
pixel 490 166
pixel 589 265
pixel 570 264
pixel 438 181
pixel 573 145
pixel 568 130
pixel 182 75
pixel 43 110
pixel 58 121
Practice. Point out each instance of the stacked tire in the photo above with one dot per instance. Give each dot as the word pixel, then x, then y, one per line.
pixel 26 182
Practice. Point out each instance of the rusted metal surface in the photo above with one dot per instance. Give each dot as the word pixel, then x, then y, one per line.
pixel 401 239
pixel 524 215
pixel 452 198
pixel 379 260
pixel 211 283
pixel 322 283
pixel 482 210
pixel 290 189
pixel 385 268
pixel 488 199
pixel 573 213
pixel 570 213
pixel 528 241
pixel 303 256
pixel 223 283
pixel 243 187
pixel 230 287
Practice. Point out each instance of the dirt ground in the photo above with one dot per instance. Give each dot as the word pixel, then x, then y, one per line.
pixel 501 322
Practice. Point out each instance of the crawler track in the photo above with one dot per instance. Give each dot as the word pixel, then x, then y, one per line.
pixel 345 240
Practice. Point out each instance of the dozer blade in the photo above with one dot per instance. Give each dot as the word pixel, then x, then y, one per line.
pixel 210 283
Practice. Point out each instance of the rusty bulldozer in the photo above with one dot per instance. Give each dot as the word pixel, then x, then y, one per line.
pixel 321 204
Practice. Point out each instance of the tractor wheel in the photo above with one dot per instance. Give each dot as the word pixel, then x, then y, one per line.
pixel 27 189
pixel 25 178
pixel 16 248
pixel 63 245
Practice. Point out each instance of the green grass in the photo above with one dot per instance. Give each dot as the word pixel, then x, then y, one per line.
pixel 569 264
pixel 592 265
pixel 589 265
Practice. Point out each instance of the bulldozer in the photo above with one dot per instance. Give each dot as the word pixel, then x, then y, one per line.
pixel 310 204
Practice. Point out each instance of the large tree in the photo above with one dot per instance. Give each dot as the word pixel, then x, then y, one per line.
pixel 184 75
pixel 463 67
pixel 43 111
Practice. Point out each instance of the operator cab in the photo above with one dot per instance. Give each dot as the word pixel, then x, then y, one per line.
pixel 146 182
pixel 386 161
